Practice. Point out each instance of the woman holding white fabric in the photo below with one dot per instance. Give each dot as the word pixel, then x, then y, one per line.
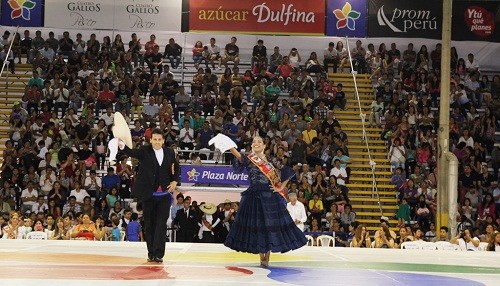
pixel 263 223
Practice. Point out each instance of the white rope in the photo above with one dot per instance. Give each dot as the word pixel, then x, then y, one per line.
pixel 365 137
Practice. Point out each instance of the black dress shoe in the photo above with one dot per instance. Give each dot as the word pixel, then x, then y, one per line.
pixel 151 259
pixel 159 260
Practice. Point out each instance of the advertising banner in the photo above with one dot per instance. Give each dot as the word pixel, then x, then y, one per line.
pixel 476 21
pixel 346 18
pixel 405 19
pixel 219 175
pixel 24 13
pixel 147 15
pixel 131 15
pixel 286 17
pixel 96 14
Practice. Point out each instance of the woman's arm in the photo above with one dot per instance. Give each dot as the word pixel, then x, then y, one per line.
pixel 236 153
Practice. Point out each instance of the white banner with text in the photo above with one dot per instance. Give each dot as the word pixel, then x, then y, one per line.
pixel 132 15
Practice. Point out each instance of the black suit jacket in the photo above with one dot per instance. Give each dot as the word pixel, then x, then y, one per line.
pixel 187 223
pixel 150 174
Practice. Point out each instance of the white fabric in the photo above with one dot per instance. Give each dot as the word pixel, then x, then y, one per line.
pixel 113 145
pixel 159 156
pixel 222 142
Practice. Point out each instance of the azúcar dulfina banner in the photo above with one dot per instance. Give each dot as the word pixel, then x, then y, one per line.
pixel 405 18
pixel 346 18
pixel 476 21
pixel 287 17
pixel 131 15
pixel 25 13
pixel 218 175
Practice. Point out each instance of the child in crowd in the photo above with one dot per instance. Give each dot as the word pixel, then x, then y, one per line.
pixel 115 230
pixel 403 214
pixel 134 230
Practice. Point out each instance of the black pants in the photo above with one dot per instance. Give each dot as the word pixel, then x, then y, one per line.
pixel 155 213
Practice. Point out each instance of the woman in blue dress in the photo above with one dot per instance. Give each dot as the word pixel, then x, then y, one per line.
pixel 263 224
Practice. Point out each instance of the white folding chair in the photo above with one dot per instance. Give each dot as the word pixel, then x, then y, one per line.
pixel 428 246
pixel 445 245
pixel 37 235
pixel 122 235
pixel 483 246
pixel 410 245
pixel 325 241
pixel 310 240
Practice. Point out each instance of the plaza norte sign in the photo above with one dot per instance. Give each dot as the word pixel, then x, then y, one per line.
pixel 217 175
pixel 290 17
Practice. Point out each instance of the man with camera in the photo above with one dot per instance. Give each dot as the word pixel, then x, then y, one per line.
pixel 465 240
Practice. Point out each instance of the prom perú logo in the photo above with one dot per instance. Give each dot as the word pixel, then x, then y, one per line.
pixel 480 21
pixel 346 17
pixel 21 8
pixel 407 20
pixel 193 175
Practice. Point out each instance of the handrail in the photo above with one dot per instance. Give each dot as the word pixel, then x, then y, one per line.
pixel 5 61
pixel 364 138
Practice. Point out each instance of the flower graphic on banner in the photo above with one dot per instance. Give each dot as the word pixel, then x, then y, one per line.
pixel 21 8
pixel 193 175
pixel 346 17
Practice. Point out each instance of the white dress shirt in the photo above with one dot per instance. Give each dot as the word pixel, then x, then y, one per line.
pixel 159 156
pixel 297 212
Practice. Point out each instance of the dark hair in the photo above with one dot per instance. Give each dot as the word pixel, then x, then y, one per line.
pixel 134 217
pixel 157 131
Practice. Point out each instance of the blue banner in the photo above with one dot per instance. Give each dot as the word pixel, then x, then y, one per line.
pixel 218 175
pixel 24 13
pixel 346 18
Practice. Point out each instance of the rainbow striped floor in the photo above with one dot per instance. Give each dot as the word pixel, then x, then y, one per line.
pixel 35 262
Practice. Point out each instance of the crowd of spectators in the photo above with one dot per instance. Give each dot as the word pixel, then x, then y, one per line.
pixel 76 86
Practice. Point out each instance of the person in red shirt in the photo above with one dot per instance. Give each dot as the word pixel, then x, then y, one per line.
pixel 105 99
pixel 150 45
pixel 33 97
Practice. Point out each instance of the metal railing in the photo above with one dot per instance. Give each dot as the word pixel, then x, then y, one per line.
pixel 362 115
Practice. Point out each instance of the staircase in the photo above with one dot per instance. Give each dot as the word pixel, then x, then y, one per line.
pixel 364 201
pixel 12 88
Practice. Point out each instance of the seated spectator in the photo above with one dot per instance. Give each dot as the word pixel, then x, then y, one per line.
pixel 384 238
pixel 71 206
pixel 134 229
pixel 231 53
pixel 339 172
pixel 466 240
pixel 347 216
pixel 313 65
pixel 361 237
pixel 173 52
pixel 78 193
pixel 87 230
pixel 494 244
pixel 11 229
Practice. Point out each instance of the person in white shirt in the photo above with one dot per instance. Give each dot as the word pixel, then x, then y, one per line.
pixel 109 116
pixel 339 173
pixel 186 138
pixel 471 64
pixel 29 196
pixel 40 206
pixel 466 241
pixel 47 181
pixel 93 185
pixel 79 193
pixel 297 211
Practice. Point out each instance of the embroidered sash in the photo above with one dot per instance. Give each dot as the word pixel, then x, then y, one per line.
pixel 269 171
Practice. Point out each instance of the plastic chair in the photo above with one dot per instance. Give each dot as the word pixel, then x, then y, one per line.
pixel 483 246
pixel 310 240
pixel 325 241
pixel 37 235
pixel 445 245
pixel 122 235
pixel 410 245
pixel 428 246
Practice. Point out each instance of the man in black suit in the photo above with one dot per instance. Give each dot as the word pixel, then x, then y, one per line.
pixel 156 181
pixel 186 221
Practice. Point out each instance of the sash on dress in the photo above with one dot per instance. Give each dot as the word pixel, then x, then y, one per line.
pixel 270 172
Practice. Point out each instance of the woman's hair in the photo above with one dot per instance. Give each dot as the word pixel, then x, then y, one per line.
pixel 358 231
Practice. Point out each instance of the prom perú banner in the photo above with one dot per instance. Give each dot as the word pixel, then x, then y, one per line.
pixel 218 175
pixel 288 17
pixel 133 15
pixel 405 18
pixel 24 13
